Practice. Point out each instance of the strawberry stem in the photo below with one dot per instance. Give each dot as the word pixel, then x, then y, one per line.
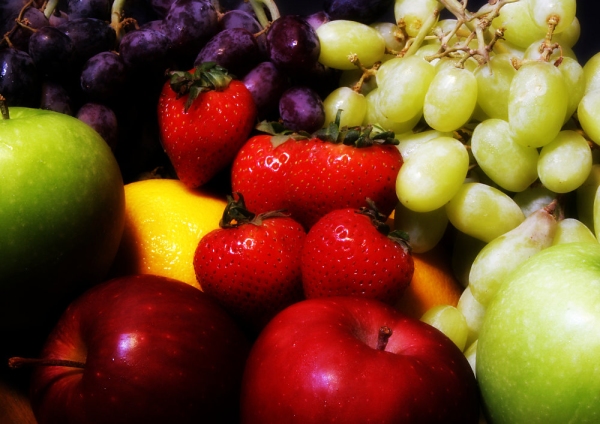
pixel 236 213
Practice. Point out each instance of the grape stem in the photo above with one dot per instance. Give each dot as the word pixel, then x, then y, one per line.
pixel 259 11
pixel 116 14
pixel 50 8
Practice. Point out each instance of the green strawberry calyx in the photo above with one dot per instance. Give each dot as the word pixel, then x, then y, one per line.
pixel 358 136
pixel 236 213
pixel 205 77
pixel 379 220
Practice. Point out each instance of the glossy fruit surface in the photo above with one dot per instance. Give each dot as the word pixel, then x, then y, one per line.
pixel 153 350
pixel 539 343
pixel 323 360
pixel 62 210
pixel 164 222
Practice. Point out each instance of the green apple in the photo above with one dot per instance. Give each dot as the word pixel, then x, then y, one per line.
pixel 62 212
pixel 538 354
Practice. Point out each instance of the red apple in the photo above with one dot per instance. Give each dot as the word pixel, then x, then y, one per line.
pixel 147 349
pixel 333 360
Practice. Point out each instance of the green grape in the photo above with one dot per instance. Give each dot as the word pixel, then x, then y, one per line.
pixel 493 85
pixel 571 230
pixel 591 73
pixel 425 229
pixel 541 11
pixel 373 116
pixel 533 52
pixel 340 39
pixel 574 78
pixel 464 251
pixel 537 103
pixel 450 321
pixel 414 13
pixel 391 34
pixel 473 311
pixel 403 88
pixel 450 99
pixel 570 36
pixel 432 174
pixel 506 252
pixel 471 355
pixel 596 214
pixel 352 104
pixel 520 29
pixel 350 77
pixel 504 47
pixel 483 212
pixel 585 196
pixel 565 163
pixel 510 165
pixel 426 51
pixel 533 198
pixel 409 141
pixel 588 113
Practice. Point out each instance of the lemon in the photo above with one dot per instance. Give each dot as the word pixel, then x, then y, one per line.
pixel 164 221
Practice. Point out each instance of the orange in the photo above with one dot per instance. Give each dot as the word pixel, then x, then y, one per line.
pixel 164 221
pixel 433 284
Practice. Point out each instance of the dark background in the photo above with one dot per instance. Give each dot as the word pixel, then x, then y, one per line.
pixel 587 13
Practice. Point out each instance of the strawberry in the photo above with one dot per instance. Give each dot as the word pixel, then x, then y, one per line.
pixel 251 265
pixel 311 175
pixel 204 117
pixel 352 252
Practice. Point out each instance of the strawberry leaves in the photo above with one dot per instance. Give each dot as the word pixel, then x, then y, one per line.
pixel 208 76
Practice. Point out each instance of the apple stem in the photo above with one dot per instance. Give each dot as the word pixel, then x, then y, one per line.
pixel 4 108
pixel 384 335
pixel 18 362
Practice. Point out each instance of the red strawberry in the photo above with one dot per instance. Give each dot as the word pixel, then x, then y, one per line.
pixel 251 265
pixel 204 117
pixel 351 252
pixel 331 170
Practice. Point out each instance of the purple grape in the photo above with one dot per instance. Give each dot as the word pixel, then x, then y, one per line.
pixel 55 97
pixel 189 24
pixel 364 11
pixel 293 44
pixel 51 50
pixel 58 17
pixel 301 109
pixel 146 49
pixel 241 19
pixel 156 25
pixel 90 36
pixel 266 84
pixel 99 9
pixel 317 19
pixel 101 118
pixel 9 11
pixel 234 49
pixel 34 19
pixel 103 76
pixel 19 81
pixel 161 7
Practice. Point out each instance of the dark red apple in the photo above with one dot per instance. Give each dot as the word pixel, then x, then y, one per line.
pixel 353 360
pixel 151 350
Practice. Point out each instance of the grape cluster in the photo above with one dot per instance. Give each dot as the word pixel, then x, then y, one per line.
pixel 105 61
